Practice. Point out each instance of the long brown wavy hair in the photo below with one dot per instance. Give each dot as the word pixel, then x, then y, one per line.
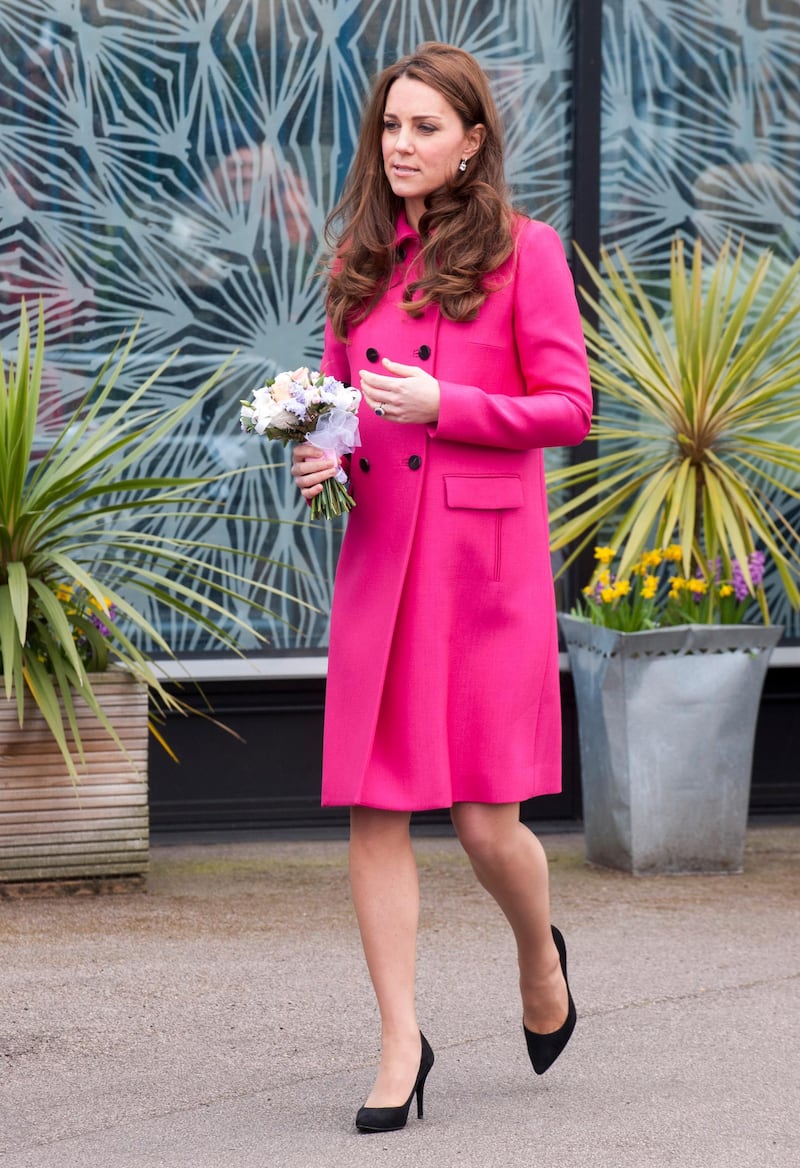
pixel 466 230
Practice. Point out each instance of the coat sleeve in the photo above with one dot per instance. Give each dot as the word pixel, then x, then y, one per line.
pixel 556 408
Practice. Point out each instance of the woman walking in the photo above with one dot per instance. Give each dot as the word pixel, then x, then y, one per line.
pixel 457 318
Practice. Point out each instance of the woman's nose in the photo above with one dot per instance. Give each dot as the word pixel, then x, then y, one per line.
pixel 403 141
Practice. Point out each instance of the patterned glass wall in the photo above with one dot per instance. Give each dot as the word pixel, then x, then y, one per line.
pixel 174 161
pixel 701 135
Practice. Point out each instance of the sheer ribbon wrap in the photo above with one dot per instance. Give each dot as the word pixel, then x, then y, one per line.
pixel 336 433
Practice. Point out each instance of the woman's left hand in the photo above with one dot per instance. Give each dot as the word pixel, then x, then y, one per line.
pixel 410 395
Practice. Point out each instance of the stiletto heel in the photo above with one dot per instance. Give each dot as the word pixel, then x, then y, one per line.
pixel 420 1093
pixel 384 1119
pixel 544 1049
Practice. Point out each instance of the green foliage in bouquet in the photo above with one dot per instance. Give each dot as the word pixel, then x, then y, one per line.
pixel 698 420
pixel 81 533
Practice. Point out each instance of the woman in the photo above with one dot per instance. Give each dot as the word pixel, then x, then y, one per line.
pixel 457 318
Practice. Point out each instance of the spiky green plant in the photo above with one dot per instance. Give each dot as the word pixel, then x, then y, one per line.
pixel 698 421
pixel 80 535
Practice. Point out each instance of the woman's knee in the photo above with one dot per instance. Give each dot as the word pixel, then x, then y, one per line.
pixel 372 827
pixel 485 830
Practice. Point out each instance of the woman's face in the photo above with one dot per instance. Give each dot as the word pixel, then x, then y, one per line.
pixel 423 142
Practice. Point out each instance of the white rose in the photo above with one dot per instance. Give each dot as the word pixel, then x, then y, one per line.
pixel 283 420
pixel 282 386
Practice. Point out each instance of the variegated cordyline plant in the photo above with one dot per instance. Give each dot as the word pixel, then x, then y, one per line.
pixel 698 428
pixel 81 537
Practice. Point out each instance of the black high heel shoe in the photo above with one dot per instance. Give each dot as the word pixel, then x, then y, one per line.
pixel 385 1119
pixel 544 1049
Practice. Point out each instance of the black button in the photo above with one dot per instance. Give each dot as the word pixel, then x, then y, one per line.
pixel 364 464
pixel 414 462
pixel 424 352
pixel 372 354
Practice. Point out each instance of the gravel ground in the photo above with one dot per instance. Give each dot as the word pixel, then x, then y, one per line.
pixel 223 1017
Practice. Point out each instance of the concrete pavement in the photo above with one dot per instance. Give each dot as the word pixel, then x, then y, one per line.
pixel 224 1019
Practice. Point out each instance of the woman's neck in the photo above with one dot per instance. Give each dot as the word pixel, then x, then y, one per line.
pixel 414 209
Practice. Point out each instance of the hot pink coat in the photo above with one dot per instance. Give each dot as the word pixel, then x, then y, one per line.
pixel 443 680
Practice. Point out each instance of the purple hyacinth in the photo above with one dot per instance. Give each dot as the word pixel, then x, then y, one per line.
pixel 755 562
pixel 740 589
pixel 98 623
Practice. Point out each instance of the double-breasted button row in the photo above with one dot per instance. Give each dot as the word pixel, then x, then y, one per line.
pixel 414 463
pixel 423 352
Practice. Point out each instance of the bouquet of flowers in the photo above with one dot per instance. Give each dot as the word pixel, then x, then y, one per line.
pixel 307 406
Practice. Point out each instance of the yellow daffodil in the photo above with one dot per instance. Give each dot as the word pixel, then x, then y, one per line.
pixel 604 555
pixel 650 587
pixel 676 586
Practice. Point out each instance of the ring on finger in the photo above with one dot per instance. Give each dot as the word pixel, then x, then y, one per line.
pixel 379 411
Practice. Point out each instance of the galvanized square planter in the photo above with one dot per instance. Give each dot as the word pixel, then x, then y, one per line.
pixel 54 830
pixel 667 721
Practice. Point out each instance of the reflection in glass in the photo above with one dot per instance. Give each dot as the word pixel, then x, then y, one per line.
pixel 701 109
pixel 175 161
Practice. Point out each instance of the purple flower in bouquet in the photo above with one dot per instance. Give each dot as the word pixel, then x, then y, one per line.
pixel 301 406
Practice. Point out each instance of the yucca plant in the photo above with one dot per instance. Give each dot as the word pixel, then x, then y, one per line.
pixel 81 537
pixel 698 422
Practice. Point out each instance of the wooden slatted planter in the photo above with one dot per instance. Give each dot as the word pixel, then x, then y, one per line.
pixel 52 829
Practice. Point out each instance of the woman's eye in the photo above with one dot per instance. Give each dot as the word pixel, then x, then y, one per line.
pixel 426 129
pixel 390 125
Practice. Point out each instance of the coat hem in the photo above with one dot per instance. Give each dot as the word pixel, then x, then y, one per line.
pixel 375 806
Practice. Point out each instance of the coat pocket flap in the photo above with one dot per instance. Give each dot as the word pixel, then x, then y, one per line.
pixel 483 492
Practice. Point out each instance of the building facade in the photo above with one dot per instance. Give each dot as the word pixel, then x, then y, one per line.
pixel 173 162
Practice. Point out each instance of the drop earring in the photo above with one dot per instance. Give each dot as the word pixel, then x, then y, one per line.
pixel 462 166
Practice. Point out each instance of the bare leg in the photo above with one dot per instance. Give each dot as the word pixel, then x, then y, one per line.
pixel 385 889
pixel 511 865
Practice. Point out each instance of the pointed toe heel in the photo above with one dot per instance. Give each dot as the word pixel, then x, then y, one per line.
pixel 386 1119
pixel 544 1049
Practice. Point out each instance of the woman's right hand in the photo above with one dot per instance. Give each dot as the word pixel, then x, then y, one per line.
pixel 311 467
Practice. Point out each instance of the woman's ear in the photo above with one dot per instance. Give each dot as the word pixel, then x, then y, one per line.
pixel 474 139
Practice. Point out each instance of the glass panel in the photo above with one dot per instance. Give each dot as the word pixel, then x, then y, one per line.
pixel 700 135
pixel 174 160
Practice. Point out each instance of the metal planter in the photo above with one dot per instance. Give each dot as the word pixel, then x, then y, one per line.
pixel 667 721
